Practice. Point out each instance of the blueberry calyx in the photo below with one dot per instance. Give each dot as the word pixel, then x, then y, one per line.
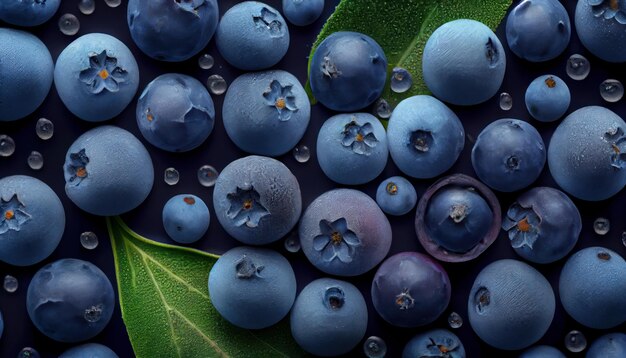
pixel 329 69
pixel 458 212
pixel 604 256
pixel 421 140
pixel 93 313
pixel 77 167
pixel 268 20
pixel 246 268
pixel 13 214
pixel 334 298
pixel 245 207
pixel 491 53
pixel 360 138
pixel 441 349
pixel 404 300
pixel 608 9
pixel 191 6
pixel 617 139
pixel 336 241
pixel 522 226
pixel 103 73
pixel 482 298
pixel 282 98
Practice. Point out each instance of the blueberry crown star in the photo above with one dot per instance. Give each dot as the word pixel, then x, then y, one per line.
pixel 336 241
pixel 103 73
pixel 360 138
pixel 14 214
pixel 246 208
pixel 282 98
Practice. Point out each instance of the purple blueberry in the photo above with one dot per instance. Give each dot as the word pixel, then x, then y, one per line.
pixel 434 343
pixel 303 12
pixel 547 98
pixel 601 24
pixel 612 345
pixel 396 196
pixel 89 350
pixel 186 218
pixel 542 352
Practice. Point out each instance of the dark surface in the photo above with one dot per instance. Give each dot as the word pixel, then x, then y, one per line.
pixel 218 151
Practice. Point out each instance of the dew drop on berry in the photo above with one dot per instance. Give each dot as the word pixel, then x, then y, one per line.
pixel 44 128
pixel 35 160
pixel 10 284
pixel 216 84
pixel 113 3
pixel 292 243
pixel 578 67
pixel 301 153
pixel 207 176
pixel 171 176
pixel 601 226
pixel 375 347
pixel 455 320
pixel 382 109
pixel 575 342
pixel 506 101
pixel 28 352
pixel 87 7
pixel 69 24
pixel 401 80
pixel 611 90
pixel 7 146
pixel 206 61
pixel 89 240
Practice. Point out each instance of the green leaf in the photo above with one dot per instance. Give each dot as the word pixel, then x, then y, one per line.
pixel 402 27
pixel 166 307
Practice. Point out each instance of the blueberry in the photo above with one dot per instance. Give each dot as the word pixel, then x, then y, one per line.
pixel 70 300
pixel 612 345
pixel 329 317
pixel 348 71
pixel 252 288
pixel 592 288
pixel 547 98
pixel 27 12
pixel 463 62
pixel 252 36
pixel 257 200
pixel 457 219
pixel 509 155
pixel 511 305
pixel 410 290
pixel 538 30
pixel 108 171
pixel 425 137
pixel 343 232
pixel 32 220
pixel 89 350
pixel 601 24
pixel 172 30
pixel 96 77
pixel 186 218
pixel 543 225
pixel 396 196
pixel 542 352
pixel 599 134
pixel 352 148
pixel 303 12
pixel 27 72
pixel 266 113
pixel 175 113
pixel 434 343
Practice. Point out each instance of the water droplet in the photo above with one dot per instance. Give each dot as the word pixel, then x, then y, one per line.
pixel 578 67
pixel 87 7
pixel 292 243
pixel 575 342
pixel 506 101
pixel 206 61
pixel 113 3
pixel 44 128
pixel 455 320
pixel 28 352
pixel 7 146
pixel 171 176
pixel 383 109
pixel 216 84
pixel 207 175
pixel 401 80
pixel 624 238
pixel 10 284
pixel 93 313
pixel 35 160
pixel 89 240
pixel 375 347
pixel 69 24
pixel 601 226
pixel 302 153
pixel 611 90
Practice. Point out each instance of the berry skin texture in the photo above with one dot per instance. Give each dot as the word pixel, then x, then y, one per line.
pixel 599 173
pixel 257 200
pixel 410 290
pixel 27 73
pixel 434 343
pixel 542 352
pixel 343 232
pixel 32 220
pixel 27 13
pixel 396 196
pixel 600 27
pixel 592 288
pixel 463 63
pixel 303 13
pixel 425 137
pixel 252 36
pixel 509 155
pixel 91 350
pixel 538 30
pixel 612 345
pixel 70 300
pixel 172 30
pixel 175 113
pixel 251 287
pixel 96 77
pixel 108 171
pixel 186 218
pixel 511 305
pixel 329 317
pixel 266 113
pixel 348 71
pixel 352 148
pixel 547 98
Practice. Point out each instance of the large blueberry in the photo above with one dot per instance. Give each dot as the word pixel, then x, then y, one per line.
pixel 543 225
pixel 511 305
pixel 343 232
pixel 396 196
pixel 257 200
pixel 89 350
pixel 108 171
pixel 32 220
pixel 410 290
pixel 601 25
pixel 348 71
pixel 592 287
pixel 425 137
pixel 542 352
pixel 612 345
pixel 547 98
pixel 329 317
pixel 27 72
pixel 266 113
pixel 186 218
pixel 463 62
pixel 585 155
pixel 252 36
pixel 434 343
pixel 508 155
pixel 70 300
pixel 175 113
pixel 252 287
pixel 27 12
pixel 352 148
pixel 303 12
pixel 172 30
pixel 96 77
pixel 538 30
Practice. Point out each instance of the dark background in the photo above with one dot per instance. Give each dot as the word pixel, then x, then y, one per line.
pixel 218 151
